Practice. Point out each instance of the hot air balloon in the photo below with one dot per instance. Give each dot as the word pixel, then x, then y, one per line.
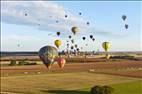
pixel 74 30
pixel 66 16
pixel 126 26
pixel 58 33
pixel 72 40
pixel 83 38
pixel 77 49
pixel 57 21
pixel 106 46
pixel 61 62
pixel 57 43
pixel 72 47
pixel 124 17
pixel 75 45
pixel 87 23
pixel 91 36
pixel 80 13
pixel 70 36
pixel 26 14
pixel 48 54
pixel 67 45
pixel 93 39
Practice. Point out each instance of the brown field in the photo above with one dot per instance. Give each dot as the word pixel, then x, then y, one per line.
pixel 29 79
pixel 130 68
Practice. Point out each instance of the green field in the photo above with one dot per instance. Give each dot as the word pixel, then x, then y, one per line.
pixel 68 83
pixel 134 87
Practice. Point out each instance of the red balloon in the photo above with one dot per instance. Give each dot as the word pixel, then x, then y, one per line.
pixel 61 62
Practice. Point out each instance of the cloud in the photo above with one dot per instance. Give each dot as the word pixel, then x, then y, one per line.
pixel 43 16
pixel 41 12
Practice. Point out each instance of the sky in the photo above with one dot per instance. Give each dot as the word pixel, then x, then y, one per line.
pixel 38 28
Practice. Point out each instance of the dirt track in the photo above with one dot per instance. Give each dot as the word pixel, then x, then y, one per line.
pixel 125 68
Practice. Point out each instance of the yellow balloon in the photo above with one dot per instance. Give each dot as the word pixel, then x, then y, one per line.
pixel 74 30
pixel 57 43
pixel 106 46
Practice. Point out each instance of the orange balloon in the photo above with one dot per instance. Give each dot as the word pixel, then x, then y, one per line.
pixel 61 62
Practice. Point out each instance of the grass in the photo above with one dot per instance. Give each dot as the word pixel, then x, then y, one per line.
pixel 67 83
pixel 134 87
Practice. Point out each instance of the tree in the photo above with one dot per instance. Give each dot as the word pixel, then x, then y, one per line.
pixel 101 90
pixel 107 90
pixel 12 62
pixel 96 90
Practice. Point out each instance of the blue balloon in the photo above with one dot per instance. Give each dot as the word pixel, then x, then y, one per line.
pixel 48 54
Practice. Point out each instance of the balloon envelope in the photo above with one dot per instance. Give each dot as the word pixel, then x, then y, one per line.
pixel 124 17
pixel 106 46
pixel 80 13
pixel 126 26
pixel 57 21
pixel 91 36
pixel 58 33
pixel 26 14
pixel 83 38
pixel 70 36
pixel 87 23
pixel 75 45
pixel 72 40
pixel 61 62
pixel 93 39
pixel 57 43
pixel 66 16
pixel 47 54
pixel 74 30
pixel 72 47
pixel 77 49
pixel 67 45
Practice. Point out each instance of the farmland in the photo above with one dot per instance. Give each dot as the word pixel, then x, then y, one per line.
pixel 77 77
